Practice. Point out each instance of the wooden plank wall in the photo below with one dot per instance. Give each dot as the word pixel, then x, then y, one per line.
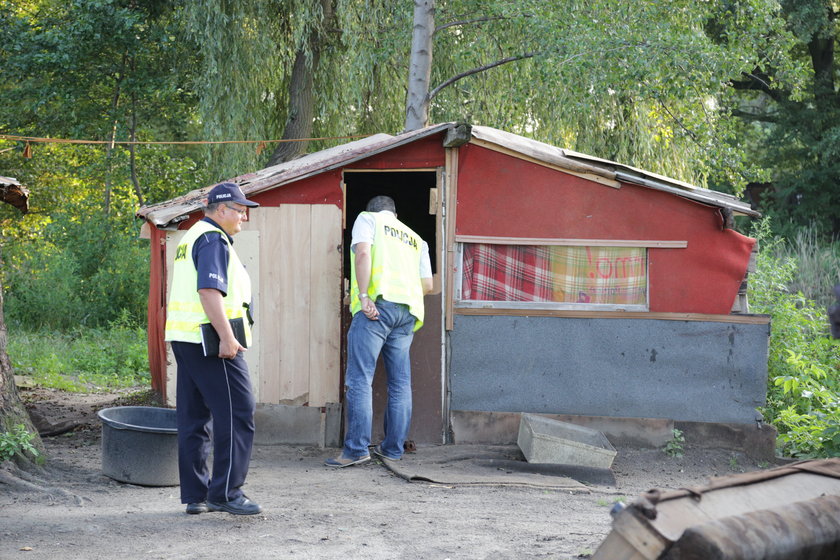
pixel 299 303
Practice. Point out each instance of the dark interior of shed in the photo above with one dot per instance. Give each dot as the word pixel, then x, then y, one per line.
pixel 410 191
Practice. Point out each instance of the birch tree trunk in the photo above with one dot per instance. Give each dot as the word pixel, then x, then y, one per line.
pixel 420 67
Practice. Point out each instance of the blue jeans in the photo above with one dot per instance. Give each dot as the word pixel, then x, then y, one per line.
pixel 391 335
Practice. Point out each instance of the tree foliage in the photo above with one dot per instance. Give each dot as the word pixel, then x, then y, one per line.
pixel 103 70
pixel 791 120
pixel 646 83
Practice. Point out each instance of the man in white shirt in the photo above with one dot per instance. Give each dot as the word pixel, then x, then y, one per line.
pixel 390 273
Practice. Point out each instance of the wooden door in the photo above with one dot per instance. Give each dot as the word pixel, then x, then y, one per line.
pixel 298 303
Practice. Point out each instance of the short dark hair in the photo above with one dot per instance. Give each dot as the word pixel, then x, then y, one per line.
pixel 380 203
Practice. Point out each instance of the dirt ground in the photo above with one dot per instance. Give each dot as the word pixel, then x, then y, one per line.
pixel 73 512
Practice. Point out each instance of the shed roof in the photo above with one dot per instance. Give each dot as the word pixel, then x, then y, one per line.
pixel 14 193
pixel 171 212
pixel 576 161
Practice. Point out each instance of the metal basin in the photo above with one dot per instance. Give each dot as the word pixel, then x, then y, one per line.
pixel 140 445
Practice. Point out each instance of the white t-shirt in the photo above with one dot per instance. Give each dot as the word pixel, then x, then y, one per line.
pixel 363 230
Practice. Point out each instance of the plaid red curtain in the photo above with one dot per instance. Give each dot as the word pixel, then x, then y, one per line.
pixel 612 275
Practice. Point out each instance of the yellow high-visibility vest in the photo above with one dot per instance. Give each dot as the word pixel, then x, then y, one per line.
pixel 395 267
pixel 185 313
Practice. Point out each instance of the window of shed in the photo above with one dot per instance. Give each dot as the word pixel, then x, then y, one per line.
pixel 553 277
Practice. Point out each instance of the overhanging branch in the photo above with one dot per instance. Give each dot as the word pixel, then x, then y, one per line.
pixel 462 75
pixel 758 81
pixel 753 117
pixel 502 61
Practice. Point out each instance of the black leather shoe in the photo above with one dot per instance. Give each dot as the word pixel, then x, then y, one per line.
pixel 199 507
pixel 240 506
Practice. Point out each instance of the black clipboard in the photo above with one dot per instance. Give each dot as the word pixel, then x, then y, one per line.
pixel 210 338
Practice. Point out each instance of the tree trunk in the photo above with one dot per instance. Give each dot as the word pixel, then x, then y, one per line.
pixel 299 122
pixel 821 50
pixel 132 151
pixel 420 67
pixel 12 410
pixel 301 110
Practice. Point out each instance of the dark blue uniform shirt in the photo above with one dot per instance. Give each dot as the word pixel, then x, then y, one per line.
pixel 211 255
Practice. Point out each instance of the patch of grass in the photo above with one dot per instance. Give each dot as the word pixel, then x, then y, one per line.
pixel 85 360
pixel 817 258
pixel 605 502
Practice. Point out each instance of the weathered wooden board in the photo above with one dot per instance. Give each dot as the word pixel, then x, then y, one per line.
pixel 784 513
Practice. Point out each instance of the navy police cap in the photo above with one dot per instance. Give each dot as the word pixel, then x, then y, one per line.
pixel 229 192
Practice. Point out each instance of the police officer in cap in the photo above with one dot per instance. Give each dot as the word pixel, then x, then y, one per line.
pixel 214 401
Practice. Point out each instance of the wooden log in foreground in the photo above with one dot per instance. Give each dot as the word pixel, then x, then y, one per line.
pixel 790 512
pixel 803 530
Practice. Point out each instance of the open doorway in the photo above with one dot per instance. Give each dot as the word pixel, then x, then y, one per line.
pixel 411 191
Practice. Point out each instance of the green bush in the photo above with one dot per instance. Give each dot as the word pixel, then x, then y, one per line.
pixel 16 442
pixel 83 360
pixel 675 447
pixel 84 271
pixel 803 396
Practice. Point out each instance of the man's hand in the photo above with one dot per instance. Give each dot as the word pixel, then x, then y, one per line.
pixel 229 348
pixel 369 309
pixel 211 301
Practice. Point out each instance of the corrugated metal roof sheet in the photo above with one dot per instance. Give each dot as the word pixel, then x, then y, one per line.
pixel 172 211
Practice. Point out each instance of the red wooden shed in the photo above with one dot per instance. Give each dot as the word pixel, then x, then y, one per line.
pixel 565 285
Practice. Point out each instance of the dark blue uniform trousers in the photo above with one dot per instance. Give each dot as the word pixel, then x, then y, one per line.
pixel 213 401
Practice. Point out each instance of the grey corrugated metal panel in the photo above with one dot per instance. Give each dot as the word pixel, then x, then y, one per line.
pixel 164 213
pixel 576 161
pixel 613 164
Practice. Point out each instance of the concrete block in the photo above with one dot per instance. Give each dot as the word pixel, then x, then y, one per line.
pixel 332 426
pixel 502 428
pixel 756 440
pixel 632 432
pixel 281 424
pixel 543 440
